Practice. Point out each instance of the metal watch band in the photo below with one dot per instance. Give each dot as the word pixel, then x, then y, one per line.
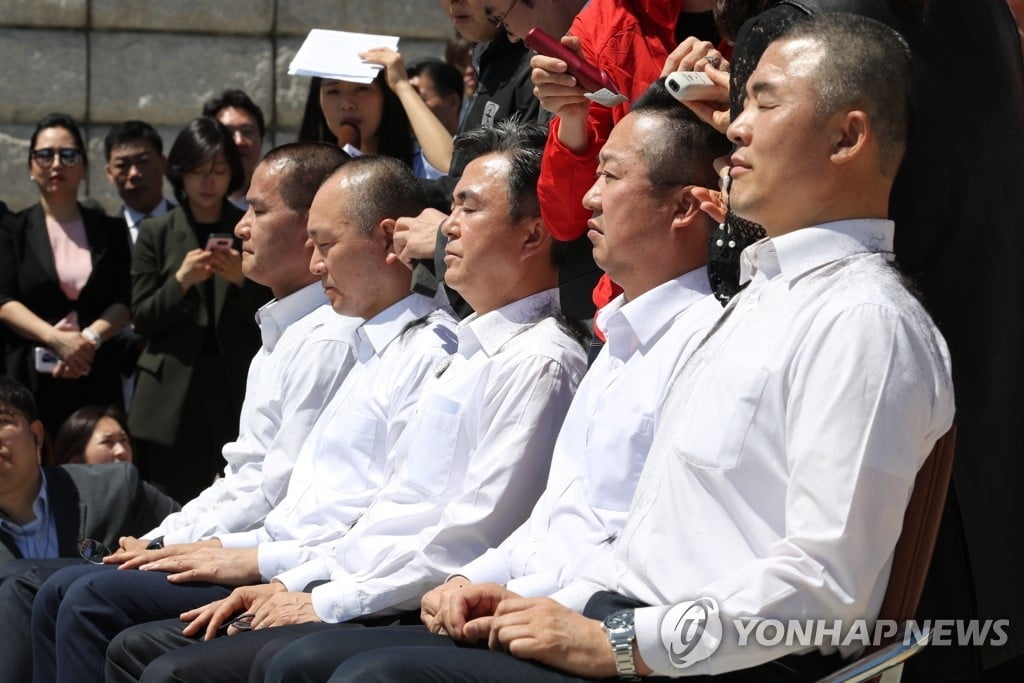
pixel 621 634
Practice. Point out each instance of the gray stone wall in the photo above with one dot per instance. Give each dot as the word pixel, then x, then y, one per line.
pixel 104 61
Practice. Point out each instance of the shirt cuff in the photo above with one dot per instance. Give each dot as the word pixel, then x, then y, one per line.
pixel 297 578
pixel 182 535
pixel 241 539
pixel 277 557
pixel 491 566
pixel 557 148
pixel 329 603
pixel 658 635
pixel 576 595
pixel 537 585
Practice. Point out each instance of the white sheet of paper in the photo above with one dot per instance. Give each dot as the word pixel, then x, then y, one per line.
pixel 335 55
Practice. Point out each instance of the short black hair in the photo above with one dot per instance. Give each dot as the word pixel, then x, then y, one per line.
pixel 59 120
pixel 74 434
pixel 197 143
pixel 858 54
pixel 523 145
pixel 132 131
pixel 446 78
pixel 17 395
pixel 388 190
pixel 307 165
pixel 233 97
pixel 684 151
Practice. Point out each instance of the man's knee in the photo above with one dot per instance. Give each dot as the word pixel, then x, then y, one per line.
pixel 385 666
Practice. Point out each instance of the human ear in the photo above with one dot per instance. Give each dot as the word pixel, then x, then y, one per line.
pixel 536 237
pixel 854 131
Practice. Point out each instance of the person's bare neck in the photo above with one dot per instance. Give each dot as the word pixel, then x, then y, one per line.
pixel 63 208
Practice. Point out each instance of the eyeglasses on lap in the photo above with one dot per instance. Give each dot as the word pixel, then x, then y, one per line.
pixel 69 156
pixel 92 551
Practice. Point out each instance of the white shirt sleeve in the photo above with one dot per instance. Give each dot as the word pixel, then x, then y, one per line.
pixel 868 404
pixel 284 414
pixel 480 487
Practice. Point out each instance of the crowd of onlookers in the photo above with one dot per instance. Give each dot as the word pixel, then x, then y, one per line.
pixel 489 361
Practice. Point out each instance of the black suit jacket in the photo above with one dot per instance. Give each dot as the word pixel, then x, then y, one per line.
pixel 101 502
pixel 28 275
pixel 175 325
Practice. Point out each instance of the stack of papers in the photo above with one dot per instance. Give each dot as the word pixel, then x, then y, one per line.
pixel 335 55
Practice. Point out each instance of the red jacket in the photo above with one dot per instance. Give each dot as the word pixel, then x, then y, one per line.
pixel 630 40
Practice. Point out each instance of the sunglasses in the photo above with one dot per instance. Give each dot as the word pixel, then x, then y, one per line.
pixel 499 22
pixel 69 156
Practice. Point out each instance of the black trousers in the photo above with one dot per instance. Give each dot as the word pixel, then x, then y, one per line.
pixel 399 655
pixel 19 582
pixel 78 610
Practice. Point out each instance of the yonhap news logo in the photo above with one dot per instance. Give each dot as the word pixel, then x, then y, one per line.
pixel 692 631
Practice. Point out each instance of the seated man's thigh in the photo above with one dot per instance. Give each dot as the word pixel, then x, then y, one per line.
pixel 315 657
pixel 144 596
pixel 444 665
pixel 172 658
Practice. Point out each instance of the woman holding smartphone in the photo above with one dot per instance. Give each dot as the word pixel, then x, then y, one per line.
pixel 64 288
pixel 196 310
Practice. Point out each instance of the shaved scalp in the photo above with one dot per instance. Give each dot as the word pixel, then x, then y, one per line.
pixel 379 187
pixel 302 167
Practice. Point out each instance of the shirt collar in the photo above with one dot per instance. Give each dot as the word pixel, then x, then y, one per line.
pixel 135 217
pixel 40 508
pixel 628 325
pixel 490 331
pixel 797 252
pixel 378 332
pixel 276 315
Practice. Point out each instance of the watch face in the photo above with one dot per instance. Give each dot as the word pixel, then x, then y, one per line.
pixel 619 620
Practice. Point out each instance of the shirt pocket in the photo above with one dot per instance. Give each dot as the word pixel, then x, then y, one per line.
pixel 432 451
pixel 620 446
pixel 719 416
pixel 346 452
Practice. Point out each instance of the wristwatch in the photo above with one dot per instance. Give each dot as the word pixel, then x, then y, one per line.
pixel 622 634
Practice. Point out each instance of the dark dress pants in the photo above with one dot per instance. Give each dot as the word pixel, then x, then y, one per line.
pixel 19 582
pixel 414 654
pixel 158 651
pixel 80 609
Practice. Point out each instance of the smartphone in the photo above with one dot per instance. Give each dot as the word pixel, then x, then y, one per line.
pixel 46 360
pixel 219 241
pixel 691 85
pixel 590 77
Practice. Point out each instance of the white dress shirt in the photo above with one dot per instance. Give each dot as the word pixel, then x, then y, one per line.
pixel 342 463
pixel 307 352
pixel 605 437
pixel 779 487
pixel 467 470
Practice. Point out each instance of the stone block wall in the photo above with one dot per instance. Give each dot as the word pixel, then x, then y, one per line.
pixel 104 61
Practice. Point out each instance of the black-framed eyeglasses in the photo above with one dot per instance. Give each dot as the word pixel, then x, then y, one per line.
pixel 92 551
pixel 499 21
pixel 69 156
pixel 243 622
